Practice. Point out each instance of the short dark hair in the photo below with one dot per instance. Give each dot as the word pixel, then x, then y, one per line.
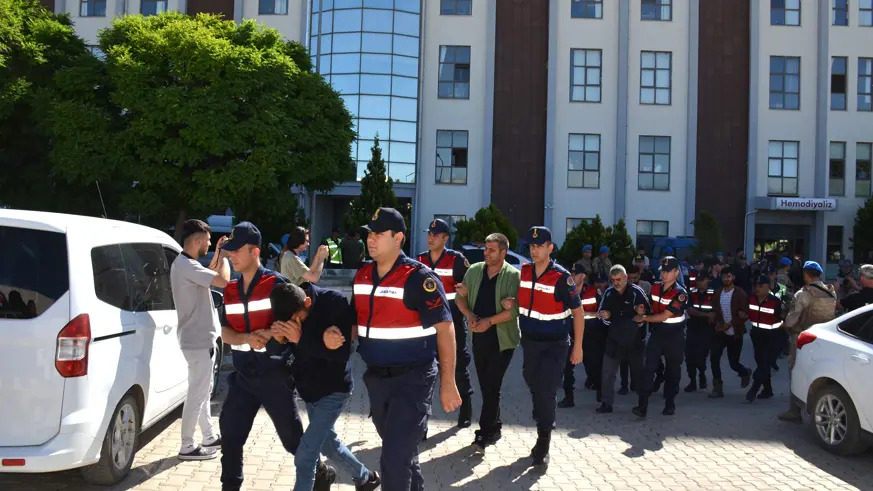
pixel 286 300
pixel 500 239
pixel 193 227
pixel 297 237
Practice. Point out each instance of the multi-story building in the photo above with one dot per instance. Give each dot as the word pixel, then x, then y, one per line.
pixel 561 110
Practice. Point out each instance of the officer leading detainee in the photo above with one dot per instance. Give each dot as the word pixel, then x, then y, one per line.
pixel 765 315
pixel 547 299
pixel 403 318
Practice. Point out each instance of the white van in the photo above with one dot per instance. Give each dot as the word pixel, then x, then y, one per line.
pixel 89 356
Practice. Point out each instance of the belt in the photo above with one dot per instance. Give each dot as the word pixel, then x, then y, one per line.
pixel 388 372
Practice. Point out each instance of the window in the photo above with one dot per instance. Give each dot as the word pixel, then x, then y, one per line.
pixel 272 7
pixel 655 67
pixel 657 10
pixel 838 83
pixel 575 222
pixel 132 277
pixel 865 80
pixel 653 228
pixel 456 7
pixel 453 220
pixel 454 77
pixel 784 12
pixel 33 271
pixel 834 244
pixel 784 82
pixel 859 326
pixel 865 13
pixel 585 77
pixel 583 161
pixel 153 7
pixel 862 169
pixel 654 165
pixel 782 168
pixel 451 157
pixel 97 52
pixel 841 12
pixel 92 8
pixel 837 181
pixel 586 9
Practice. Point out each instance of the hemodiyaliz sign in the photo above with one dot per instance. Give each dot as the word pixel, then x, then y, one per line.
pixel 805 204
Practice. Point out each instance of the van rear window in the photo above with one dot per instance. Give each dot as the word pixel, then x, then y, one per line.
pixel 34 272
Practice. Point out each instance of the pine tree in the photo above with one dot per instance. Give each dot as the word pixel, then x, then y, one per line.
pixel 862 241
pixel 376 190
pixel 487 221
pixel 585 233
pixel 708 234
pixel 621 246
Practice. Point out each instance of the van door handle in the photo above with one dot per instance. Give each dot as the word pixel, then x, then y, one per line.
pixel 861 358
pixel 167 329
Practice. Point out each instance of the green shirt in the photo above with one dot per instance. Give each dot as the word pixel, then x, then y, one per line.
pixel 508 279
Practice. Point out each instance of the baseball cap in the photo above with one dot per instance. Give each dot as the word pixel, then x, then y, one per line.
pixel 604 249
pixel 785 261
pixel 385 219
pixel 586 248
pixel 812 266
pixel 762 280
pixel 438 226
pixel 285 239
pixel 600 278
pixel 639 259
pixel 669 263
pixel 244 233
pixel 719 254
pixel 538 235
pixel 669 250
pixel 578 268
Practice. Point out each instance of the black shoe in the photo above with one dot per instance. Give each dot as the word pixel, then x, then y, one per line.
pixel 213 444
pixel 604 409
pixel 374 482
pixel 659 379
pixel 752 393
pixel 642 407
pixel 589 384
pixel 465 414
pixel 745 380
pixel 540 452
pixel 702 383
pixel 199 453
pixel 766 391
pixel 692 387
pixel 775 367
pixel 669 409
pixel 325 476
pixel 623 391
pixel 599 396
pixel 569 400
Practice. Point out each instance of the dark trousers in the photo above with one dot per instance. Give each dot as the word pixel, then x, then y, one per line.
pixel 400 404
pixel 612 360
pixel 624 373
pixel 491 365
pixel 767 344
pixel 245 396
pixel 698 341
pixel 462 354
pixel 593 344
pixel 667 342
pixel 542 370
pixel 734 345
pixel 570 370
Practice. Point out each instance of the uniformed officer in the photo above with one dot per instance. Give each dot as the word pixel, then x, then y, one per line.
pixel 765 315
pixel 669 301
pixel 701 328
pixel 695 273
pixel 403 318
pixel 590 300
pixel 451 266
pixel 261 376
pixel 547 299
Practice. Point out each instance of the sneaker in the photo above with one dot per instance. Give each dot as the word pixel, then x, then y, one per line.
pixel 325 476
pixel 479 444
pixel 199 453
pixel 214 442
pixel 374 482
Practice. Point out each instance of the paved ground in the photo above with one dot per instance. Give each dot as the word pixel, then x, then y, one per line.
pixel 723 444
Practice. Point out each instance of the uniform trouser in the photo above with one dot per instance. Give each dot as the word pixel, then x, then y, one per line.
pixel 491 365
pixel 570 370
pixel 197 407
pixel 593 344
pixel 400 405
pixel 624 372
pixel 792 357
pixel 462 353
pixel 542 369
pixel 698 341
pixel 767 344
pixel 734 345
pixel 667 342
pixel 612 360
pixel 245 396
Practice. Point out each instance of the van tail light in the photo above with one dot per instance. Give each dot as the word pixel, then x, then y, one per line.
pixel 804 339
pixel 71 359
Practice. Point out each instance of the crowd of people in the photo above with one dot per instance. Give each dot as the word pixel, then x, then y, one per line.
pixel 418 323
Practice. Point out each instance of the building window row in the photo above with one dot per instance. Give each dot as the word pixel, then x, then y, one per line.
pixel 584 158
pixel 586 76
pixel 456 7
pixel 273 7
pixel 451 156
pixel 839 83
pixel 97 8
pixel 787 12
pixel 838 169
pixel 649 9
pixel 454 72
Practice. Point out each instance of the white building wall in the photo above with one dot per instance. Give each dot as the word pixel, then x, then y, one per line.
pixel 452 114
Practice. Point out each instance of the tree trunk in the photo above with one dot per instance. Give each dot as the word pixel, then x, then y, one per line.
pixel 180 222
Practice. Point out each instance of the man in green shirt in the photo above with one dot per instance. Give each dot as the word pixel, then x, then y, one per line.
pixel 293 268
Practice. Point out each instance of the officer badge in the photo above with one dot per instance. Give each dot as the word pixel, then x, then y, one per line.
pixel 466 263
pixel 534 233
pixel 570 281
pixel 231 235
pixel 433 224
pixel 375 215
pixel 682 297
pixel 430 285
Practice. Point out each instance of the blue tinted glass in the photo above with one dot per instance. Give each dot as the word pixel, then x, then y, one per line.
pixel 404 173
pixel 381 4
pixel 346 43
pixel 408 5
pixel 377 20
pixel 324 64
pixel 404 109
pixel 344 4
pixel 325 44
pixel 402 152
pixel 326 22
pixel 405 45
pixel 401 131
pixel 368 128
pixel 406 23
pixel 362 168
pixel 313 25
pixel 326 4
pixel 364 149
pixel 349 63
pixel 405 65
pixel 376 63
pixel 407 87
pixel 376 43
pixel 346 20
pixel 375 107
pixel 351 103
pixel 777 64
pixel 345 84
pixel 376 84
pixel 316 5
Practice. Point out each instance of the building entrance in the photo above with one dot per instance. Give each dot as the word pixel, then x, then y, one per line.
pixel 775 241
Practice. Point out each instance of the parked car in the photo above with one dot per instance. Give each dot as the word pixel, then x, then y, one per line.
pixel 831 379
pixel 90 356
pixel 476 253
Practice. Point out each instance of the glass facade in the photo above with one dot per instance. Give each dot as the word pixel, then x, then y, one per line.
pixel 369 51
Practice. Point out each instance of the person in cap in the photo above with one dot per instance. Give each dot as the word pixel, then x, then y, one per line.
pixel 782 273
pixel 782 293
pixel 335 254
pixel 590 300
pixel 669 301
pixel 587 262
pixel 701 329
pixel 641 252
pixel 696 271
pixel 765 316
pixel 403 319
pixel 595 342
pixel 731 306
pixel 451 266
pixel 602 264
pixel 260 361
pixel 813 304
pixel 549 308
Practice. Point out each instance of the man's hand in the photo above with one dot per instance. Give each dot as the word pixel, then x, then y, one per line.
pixel 721 327
pixel 711 317
pixel 461 289
pixel 221 242
pixel 290 329
pixel 259 339
pixel 640 309
pixel 323 252
pixel 604 314
pixel 508 303
pixel 638 319
pixel 576 353
pixel 333 338
pixel 482 325
pixel 449 396
pixel 472 320
pixel 743 315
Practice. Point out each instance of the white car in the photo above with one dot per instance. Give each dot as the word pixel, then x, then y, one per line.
pixel 832 380
pixel 89 356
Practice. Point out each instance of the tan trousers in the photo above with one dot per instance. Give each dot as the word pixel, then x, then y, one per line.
pixel 792 355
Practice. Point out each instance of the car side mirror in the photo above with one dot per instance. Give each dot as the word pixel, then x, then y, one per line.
pixel 217 299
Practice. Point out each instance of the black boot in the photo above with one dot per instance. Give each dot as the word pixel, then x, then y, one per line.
pixel 717 389
pixel 604 409
pixel 569 400
pixel 753 391
pixel 642 407
pixel 767 391
pixel 465 414
pixel 745 379
pixel 669 408
pixel 325 476
pixel 692 386
pixel 623 390
pixel 659 379
pixel 540 452
pixel 702 383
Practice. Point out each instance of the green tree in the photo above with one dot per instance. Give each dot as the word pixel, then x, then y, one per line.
pixel 197 113
pixel 862 240
pixel 376 191
pixel 621 246
pixel 707 231
pixel 593 232
pixel 486 221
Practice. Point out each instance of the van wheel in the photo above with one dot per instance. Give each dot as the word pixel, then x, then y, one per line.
pixel 119 445
pixel 216 367
pixel 836 422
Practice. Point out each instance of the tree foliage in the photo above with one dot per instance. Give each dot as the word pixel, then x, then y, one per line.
pixel 862 240
pixel 616 237
pixel 486 221
pixel 707 231
pixel 197 113
pixel 376 191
